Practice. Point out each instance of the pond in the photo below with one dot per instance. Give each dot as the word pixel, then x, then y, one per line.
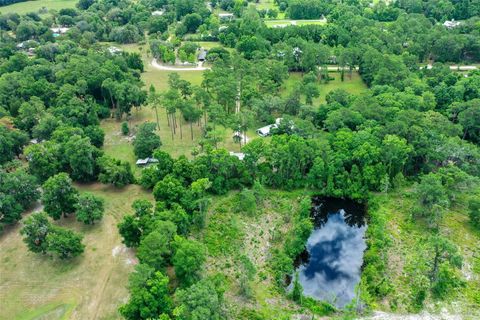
pixel 330 267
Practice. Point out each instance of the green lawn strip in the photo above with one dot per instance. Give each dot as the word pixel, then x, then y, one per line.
pixel 52 311
pixel 36 5
pixel 353 85
pixel 92 285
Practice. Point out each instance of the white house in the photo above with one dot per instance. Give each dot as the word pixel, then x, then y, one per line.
pixel 239 155
pixel 114 50
pixel 450 24
pixel 265 131
pixel 158 13
pixel 146 161
pixel 59 31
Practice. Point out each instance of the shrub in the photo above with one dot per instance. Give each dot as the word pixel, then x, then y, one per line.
pixel 125 128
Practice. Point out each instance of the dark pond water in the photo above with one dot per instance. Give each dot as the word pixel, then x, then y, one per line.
pixel 330 267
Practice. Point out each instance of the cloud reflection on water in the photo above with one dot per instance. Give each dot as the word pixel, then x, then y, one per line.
pixel 335 259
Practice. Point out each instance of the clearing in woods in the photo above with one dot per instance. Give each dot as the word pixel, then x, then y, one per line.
pixel 91 286
pixel 35 6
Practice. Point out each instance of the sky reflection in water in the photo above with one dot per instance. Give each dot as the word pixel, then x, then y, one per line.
pixel 331 270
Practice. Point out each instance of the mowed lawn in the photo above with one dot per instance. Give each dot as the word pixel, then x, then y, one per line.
pixel 268 5
pixel 36 5
pixel 92 286
pixel 121 147
pixel 355 85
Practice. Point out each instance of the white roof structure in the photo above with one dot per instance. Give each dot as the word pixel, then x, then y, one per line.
pixel 265 131
pixel 202 54
pixel 144 162
pixel 450 24
pixel 60 30
pixel 158 13
pixel 114 50
pixel 225 16
pixel 239 155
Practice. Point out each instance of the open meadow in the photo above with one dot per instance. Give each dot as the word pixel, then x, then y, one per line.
pixel 36 5
pixel 92 286
pixel 182 143
pixel 353 85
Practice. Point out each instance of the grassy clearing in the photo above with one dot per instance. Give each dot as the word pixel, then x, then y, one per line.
pixel 270 4
pixel 272 23
pixel 275 23
pixel 355 85
pixel 120 147
pixel 35 6
pixel 305 22
pixel 159 78
pixel 209 44
pixel 232 237
pixel 91 286
pixel 407 236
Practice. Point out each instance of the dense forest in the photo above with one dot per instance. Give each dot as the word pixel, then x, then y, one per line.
pixel 408 143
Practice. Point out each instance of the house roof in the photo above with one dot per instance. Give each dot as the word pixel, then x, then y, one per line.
pixel 146 161
pixel 239 155
pixel 265 131
pixel 225 15
pixel 60 30
pixel 451 24
pixel 202 54
pixel 114 50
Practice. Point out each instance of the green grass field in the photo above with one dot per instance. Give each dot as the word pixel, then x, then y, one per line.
pixel 91 286
pixel 273 23
pixel 355 85
pixel 230 235
pixel 408 235
pixel 118 146
pixel 270 4
pixel 36 5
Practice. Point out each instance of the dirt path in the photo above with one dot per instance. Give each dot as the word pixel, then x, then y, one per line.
pixel 104 275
